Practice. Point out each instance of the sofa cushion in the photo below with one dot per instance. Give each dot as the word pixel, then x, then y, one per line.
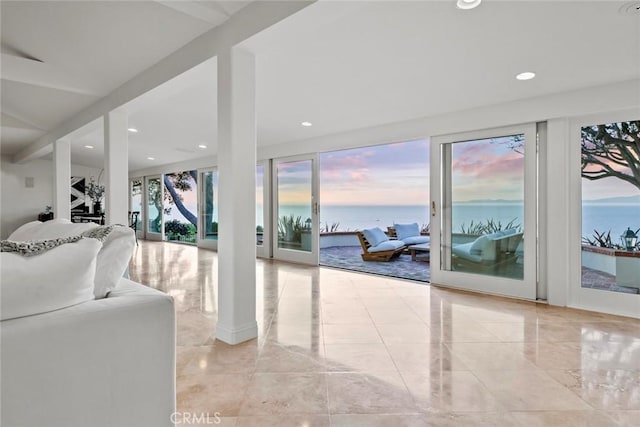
pixel 55 279
pixel 416 240
pixel 389 245
pixel 375 236
pixel 113 258
pixel 407 230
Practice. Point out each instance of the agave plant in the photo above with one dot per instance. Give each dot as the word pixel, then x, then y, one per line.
pixel 290 228
pixel 490 226
pixel 330 228
pixel 603 240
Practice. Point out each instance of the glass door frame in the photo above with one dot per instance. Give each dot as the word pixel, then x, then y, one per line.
pixel 202 242
pixel 264 250
pixel 586 298
pixel 292 255
pixel 148 234
pixel 139 233
pixel 526 288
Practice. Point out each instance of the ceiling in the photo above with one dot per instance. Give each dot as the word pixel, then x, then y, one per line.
pixel 59 57
pixel 351 65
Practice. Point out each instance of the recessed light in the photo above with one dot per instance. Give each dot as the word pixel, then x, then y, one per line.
pixel 151 158
pixel 468 4
pixel 306 124
pixel 202 146
pixel 527 75
pixel 90 147
pixel 133 130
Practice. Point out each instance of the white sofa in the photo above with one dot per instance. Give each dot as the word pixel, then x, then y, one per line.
pixel 106 361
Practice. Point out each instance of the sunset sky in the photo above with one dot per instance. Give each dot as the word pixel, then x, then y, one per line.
pixel 487 169
pixel 393 174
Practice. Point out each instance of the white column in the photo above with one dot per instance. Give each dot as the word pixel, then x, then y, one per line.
pixel 62 179
pixel 116 167
pixel 236 197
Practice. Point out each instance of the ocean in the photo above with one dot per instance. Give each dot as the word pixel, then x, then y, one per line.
pixel 599 216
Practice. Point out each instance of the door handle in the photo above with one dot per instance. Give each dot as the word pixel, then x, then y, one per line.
pixel 433 208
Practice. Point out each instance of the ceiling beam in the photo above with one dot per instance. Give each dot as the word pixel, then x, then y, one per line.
pixel 36 73
pixel 10 121
pixel 197 10
pixel 250 20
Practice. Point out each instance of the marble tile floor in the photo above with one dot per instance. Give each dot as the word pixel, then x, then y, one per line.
pixel 337 348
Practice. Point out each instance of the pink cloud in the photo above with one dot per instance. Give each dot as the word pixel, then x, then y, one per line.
pixel 359 176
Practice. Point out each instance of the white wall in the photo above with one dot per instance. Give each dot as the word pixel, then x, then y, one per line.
pixel 20 204
pixel 597 99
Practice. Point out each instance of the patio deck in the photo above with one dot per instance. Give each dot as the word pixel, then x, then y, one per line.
pixel 348 258
pixel 595 279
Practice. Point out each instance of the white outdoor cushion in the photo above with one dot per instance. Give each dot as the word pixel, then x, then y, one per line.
pixel 463 251
pixel 495 235
pixel 389 245
pixel 58 278
pixel 478 245
pixel 375 236
pixel 113 258
pixel 407 230
pixel 415 240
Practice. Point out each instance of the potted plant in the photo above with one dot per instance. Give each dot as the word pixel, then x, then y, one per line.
pixel 95 192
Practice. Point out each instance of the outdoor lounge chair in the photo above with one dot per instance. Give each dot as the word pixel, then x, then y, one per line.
pixel 489 250
pixel 408 233
pixel 382 249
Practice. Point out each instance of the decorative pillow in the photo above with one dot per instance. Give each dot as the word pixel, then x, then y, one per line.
pixel 53 229
pixel 25 231
pixel 113 258
pixel 375 236
pixel 407 230
pixel 55 279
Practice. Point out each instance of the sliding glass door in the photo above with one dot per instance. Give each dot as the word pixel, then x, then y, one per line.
pixel 136 211
pixel 209 208
pixel 295 200
pixel 154 212
pixel 484 211
pixel 605 186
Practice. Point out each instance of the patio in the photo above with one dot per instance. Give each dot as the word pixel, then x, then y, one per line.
pixel 596 279
pixel 348 258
